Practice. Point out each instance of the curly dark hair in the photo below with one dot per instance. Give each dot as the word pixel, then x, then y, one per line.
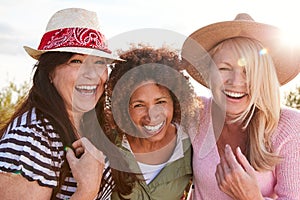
pixel 141 64
pixel 162 66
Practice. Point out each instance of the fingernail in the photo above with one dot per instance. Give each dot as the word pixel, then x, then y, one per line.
pixel 66 148
pixel 239 150
pixel 227 146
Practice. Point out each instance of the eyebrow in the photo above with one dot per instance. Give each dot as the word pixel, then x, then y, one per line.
pixel 225 63
pixel 136 101
pixel 163 97
pixel 156 99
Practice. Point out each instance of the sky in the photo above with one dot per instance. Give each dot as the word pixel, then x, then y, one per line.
pixel 24 23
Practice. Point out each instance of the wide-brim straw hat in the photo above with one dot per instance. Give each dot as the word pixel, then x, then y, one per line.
pixel 286 58
pixel 73 30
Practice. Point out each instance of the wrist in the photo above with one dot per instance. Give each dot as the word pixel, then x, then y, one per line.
pixel 84 194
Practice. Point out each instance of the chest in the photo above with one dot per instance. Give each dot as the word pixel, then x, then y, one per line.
pixel 205 160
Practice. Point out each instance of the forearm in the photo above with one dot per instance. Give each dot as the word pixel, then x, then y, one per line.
pixel 287 171
pixel 83 194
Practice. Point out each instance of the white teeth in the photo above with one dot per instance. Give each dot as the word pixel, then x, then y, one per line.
pixel 153 128
pixel 234 94
pixel 86 87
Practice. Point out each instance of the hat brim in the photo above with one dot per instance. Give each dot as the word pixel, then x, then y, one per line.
pixel 285 57
pixel 34 53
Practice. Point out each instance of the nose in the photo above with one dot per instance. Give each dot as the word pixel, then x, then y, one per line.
pixel 238 77
pixel 155 113
pixel 92 71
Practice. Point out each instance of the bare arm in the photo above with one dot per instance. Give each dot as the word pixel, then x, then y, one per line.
pixel 15 186
pixel 87 170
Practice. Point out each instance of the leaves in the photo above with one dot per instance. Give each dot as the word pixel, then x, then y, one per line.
pixel 292 98
pixel 10 96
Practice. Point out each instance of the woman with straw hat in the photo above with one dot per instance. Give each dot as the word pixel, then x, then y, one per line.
pixel 43 154
pixel 248 146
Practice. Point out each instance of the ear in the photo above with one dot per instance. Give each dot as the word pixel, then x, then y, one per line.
pixel 50 77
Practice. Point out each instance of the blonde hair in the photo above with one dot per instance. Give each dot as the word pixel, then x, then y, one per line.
pixel 260 118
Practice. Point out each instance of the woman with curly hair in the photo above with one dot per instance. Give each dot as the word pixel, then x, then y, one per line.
pixel 151 104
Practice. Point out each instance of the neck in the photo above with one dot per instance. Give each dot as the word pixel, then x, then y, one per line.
pixel 150 152
pixel 234 135
pixel 144 145
pixel 76 119
pixel 233 128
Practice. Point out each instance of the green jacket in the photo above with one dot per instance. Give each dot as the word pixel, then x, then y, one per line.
pixel 169 184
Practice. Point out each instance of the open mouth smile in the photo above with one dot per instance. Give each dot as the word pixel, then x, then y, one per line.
pixel 235 95
pixel 86 89
pixel 154 129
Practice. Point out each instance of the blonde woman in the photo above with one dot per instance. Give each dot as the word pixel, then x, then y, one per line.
pixel 254 151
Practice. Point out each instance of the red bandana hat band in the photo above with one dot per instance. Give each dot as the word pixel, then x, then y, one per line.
pixel 73 37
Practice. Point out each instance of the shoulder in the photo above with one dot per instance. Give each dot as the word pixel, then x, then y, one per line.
pixel 289 113
pixel 31 148
pixel 288 129
pixel 28 130
pixel 289 120
pixel 181 133
pixel 202 118
pixel 30 125
pixel 205 112
pixel 202 126
pixel 206 101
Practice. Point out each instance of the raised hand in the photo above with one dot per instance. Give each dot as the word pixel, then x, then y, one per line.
pixel 87 164
pixel 236 177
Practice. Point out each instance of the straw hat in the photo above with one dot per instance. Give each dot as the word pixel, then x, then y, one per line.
pixel 73 30
pixel 286 58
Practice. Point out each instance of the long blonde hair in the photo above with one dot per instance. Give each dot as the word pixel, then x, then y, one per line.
pixel 260 118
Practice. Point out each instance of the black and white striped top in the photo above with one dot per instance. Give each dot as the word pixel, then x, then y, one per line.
pixel 35 151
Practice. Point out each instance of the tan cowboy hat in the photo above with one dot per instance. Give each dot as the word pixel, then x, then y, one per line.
pixel 286 58
pixel 73 30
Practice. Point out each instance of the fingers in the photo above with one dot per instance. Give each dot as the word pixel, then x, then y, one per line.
pixel 87 169
pixel 237 161
pixel 219 175
pixel 222 173
pixel 227 166
pixel 83 145
pixel 82 142
pixel 79 151
pixel 244 162
pixel 233 175
pixel 231 160
pixel 70 156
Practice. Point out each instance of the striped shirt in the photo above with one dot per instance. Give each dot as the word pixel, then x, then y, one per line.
pixel 34 150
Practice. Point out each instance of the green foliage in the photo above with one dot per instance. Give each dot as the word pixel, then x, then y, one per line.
pixel 292 99
pixel 11 96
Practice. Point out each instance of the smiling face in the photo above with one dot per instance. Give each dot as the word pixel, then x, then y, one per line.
pixel 80 82
pixel 151 110
pixel 231 69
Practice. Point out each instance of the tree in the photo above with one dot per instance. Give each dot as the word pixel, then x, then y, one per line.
pixel 292 99
pixel 11 96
